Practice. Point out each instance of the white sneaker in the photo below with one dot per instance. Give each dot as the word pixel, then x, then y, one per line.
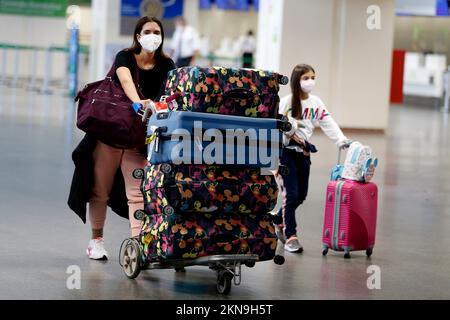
pixel 96 249
pixel 293 245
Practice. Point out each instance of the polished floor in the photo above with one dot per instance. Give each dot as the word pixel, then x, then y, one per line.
pixel 41 238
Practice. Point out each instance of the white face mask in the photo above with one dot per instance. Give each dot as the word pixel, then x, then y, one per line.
pixel 307 85
pixel 150 42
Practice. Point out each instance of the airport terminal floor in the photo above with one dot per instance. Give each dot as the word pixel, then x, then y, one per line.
pixel 41 237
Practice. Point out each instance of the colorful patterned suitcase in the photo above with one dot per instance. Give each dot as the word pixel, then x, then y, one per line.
pixel 194 138
pixel 230 91
pixel 350 217
pixel 207 189
pixel 190 236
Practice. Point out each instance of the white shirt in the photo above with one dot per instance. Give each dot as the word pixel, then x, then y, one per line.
pixel 185 42
pixel 314 113
pixel 248 44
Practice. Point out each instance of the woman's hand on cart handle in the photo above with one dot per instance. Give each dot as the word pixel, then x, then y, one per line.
pixel 144 108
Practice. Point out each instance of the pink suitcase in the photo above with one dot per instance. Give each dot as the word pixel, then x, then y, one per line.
pixel 350 217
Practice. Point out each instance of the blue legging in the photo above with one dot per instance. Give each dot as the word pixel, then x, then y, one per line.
pixel 294 187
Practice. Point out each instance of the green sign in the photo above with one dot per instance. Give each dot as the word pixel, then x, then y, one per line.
pixel 42 8
pixel 86 3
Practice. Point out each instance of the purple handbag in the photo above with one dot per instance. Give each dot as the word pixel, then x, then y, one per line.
pixel 105 112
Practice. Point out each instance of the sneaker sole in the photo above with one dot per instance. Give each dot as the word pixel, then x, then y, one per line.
pixel 102 258
pixel 294 251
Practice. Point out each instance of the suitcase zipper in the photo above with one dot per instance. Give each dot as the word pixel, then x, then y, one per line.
pixel 336 216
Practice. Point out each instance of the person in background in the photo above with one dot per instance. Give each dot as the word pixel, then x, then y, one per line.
pixel 304 111
pixel 103 174
pixel 248 48
pixel 185 44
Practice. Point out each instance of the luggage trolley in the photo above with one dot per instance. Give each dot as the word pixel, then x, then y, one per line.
pixel 228 266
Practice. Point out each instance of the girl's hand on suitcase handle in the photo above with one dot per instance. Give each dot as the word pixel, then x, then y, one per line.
pixel 345 144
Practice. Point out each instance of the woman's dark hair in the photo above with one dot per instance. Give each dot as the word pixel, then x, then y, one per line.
pixel 136 46
pixel 297 73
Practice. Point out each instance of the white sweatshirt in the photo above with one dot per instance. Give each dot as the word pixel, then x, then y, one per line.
pixel 314 112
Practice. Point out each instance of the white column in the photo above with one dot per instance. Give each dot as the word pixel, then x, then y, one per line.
pixel 352 62
pixel 362 78
pixel 269 41
pixel 100 11
pixel 191 9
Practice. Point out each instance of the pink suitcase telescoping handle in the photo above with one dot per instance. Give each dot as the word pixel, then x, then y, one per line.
pixel 342 147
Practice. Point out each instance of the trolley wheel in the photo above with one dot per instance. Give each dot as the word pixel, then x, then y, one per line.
pixel 139 215
pixel 168 210
pixel 180 269
pixel 347 255
pixel 224 282
pixel 166 168
pixel 325 252
pixel 138 174
pixel 369 252
pixel 131 259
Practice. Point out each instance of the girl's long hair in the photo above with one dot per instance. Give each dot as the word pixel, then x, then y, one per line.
pixel 136 46
pixel 297 73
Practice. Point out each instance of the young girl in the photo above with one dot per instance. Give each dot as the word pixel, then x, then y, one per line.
pixel 304 112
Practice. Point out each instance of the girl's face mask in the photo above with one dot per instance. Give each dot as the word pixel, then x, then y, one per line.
pixel 307 85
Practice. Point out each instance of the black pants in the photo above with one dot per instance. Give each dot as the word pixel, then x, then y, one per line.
pixel 184 62
pixel 247 60
pixel 294 187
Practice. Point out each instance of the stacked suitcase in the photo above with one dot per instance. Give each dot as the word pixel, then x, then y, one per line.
pixel 202 209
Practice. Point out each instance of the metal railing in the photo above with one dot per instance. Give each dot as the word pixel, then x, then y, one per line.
pixel 15 56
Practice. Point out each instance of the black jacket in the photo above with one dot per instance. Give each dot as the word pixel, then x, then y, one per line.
pixel 83 182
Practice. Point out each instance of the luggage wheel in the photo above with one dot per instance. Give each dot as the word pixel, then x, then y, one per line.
pixel 130 257
pixel 276 219
pixel 138 174
pixel 285 127
pixel 347 255
pixel 283 80
pixel 279 253
pixel 166 168
pixel 168 210
pixel 139 215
